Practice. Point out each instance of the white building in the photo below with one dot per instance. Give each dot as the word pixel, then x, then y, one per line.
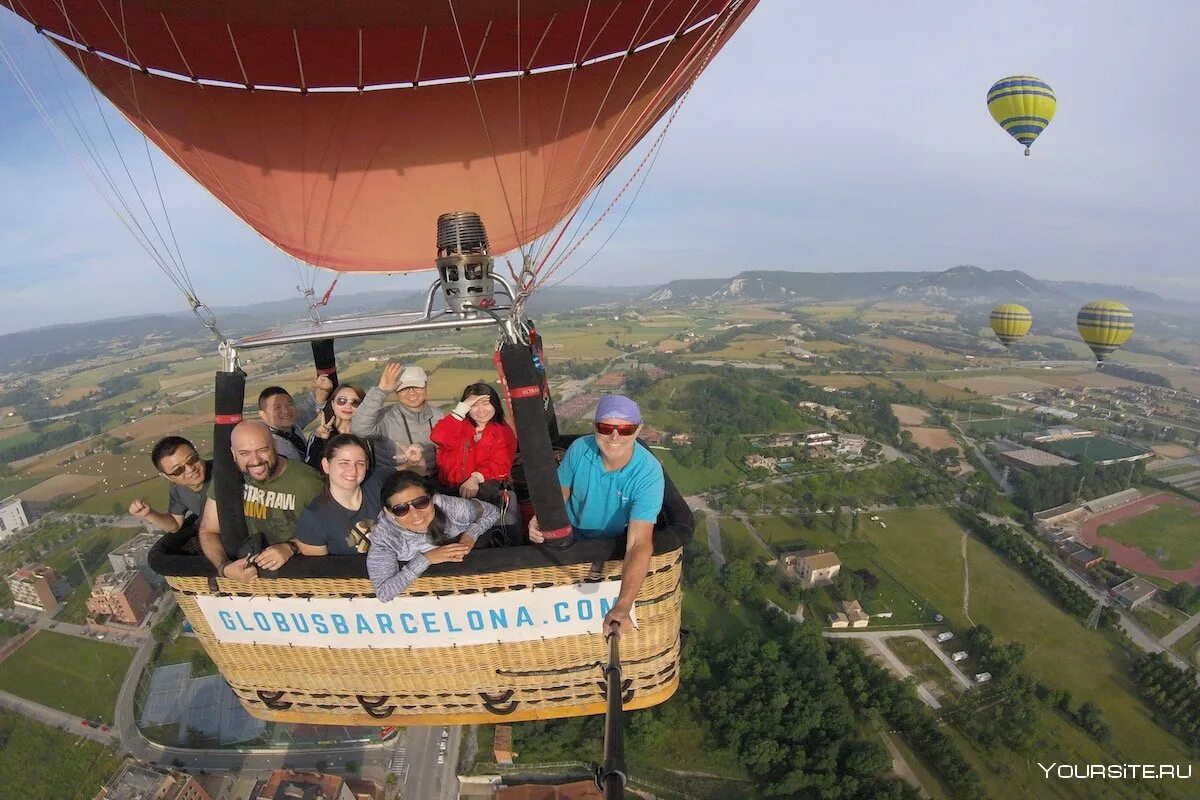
pixel 12 516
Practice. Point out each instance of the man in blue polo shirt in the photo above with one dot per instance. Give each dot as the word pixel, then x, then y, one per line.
pixel 613 487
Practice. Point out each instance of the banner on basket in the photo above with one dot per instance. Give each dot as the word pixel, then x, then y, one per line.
pixel 361 622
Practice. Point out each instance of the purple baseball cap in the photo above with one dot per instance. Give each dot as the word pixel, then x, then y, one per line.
pixel 618 406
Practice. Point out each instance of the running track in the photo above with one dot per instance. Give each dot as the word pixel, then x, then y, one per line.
pixel 1131 557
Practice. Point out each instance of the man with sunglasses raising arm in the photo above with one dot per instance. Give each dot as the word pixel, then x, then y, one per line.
pixel 176 459
pixel 613 487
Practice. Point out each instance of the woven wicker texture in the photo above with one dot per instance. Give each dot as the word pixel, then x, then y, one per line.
pixel 452 685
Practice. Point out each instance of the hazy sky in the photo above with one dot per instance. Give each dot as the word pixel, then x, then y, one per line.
pixel 826 136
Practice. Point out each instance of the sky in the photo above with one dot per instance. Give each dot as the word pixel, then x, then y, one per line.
pixel 825 137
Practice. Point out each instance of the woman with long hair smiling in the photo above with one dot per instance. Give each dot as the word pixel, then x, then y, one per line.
pixel 475 446
pixel 418 527
pixel 338 521
pixel 336 419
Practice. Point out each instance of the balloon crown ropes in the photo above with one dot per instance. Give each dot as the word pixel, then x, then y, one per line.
pixel 1105 325
pixel 1023 105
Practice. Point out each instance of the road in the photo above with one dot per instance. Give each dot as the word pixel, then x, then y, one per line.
pixel 55 719
pixel 876 641
pixel 1184 629
pixel 996 475
pixel 425 777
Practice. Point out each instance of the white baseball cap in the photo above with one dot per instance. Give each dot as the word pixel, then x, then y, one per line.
pixel 412 376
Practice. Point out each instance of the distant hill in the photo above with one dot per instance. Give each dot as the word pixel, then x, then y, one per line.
pixel 53 346
pixel 775 285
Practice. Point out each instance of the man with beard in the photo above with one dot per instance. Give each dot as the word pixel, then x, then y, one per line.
pixel 274 494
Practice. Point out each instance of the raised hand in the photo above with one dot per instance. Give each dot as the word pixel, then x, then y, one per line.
pixel 390 379
pixel 139 508
pixel 322 388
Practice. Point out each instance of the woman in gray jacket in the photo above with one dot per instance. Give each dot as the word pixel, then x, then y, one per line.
pixel 418 527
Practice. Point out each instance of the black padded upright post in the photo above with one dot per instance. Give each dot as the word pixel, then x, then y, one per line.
pixel 525 383
pixel 325 362
pixel 539 361
pixel 227 481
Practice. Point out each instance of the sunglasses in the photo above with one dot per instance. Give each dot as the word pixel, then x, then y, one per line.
pixel 182 468
pixel 606 428
pixel 419 503
pixel 341 401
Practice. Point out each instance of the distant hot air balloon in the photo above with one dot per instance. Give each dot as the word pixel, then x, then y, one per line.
pixel 1023 105
pixel 1105 325
pixel 1011 322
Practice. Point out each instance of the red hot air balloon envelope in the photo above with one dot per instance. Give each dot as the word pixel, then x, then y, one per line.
pixel 339 131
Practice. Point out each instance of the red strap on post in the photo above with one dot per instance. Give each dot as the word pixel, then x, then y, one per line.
pixel 525 391
pixel 227 419
pixel 327 371
pixel 557 533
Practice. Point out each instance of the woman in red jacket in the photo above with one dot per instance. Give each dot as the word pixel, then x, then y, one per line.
pixel 475 447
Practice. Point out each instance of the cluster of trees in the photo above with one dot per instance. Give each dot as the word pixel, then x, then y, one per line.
pixel 1133 374
pixel 871 688
pixel 1172 693
pixel 1087 716
pixel 1044 488
pixel 1013 546
pixel 1184 596
pixel 776 700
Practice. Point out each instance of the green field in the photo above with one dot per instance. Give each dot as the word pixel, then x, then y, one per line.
pixel 700 478
pixel 187 649
pixel 1169 534
pixel 1159 619
pixel 1094 448
pixel 38 762
pixel 922 549
pixel 736 541
pixel 1005 426
pixel 75 675
pixel 924 664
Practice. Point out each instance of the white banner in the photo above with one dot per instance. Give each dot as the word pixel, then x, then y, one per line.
pixel 512 616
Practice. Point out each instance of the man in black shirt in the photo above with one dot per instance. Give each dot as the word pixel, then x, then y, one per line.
pixel 176 459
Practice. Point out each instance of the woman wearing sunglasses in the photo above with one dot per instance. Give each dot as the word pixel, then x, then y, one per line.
pixel 338 521
pixel 336 419
pixel 475 447
pixel 418 527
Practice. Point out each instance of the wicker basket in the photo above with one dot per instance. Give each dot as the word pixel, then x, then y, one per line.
pixel 486 683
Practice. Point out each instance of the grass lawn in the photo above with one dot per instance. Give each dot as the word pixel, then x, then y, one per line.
pixel 187 649
pixel 700 478
pixel 1169 534
pixel 702 614
pixel 1158 618
pixel 922 548
pixel 921 660
pixel 736 541
pixel 788 533
pixel 153 491
pixel 39 762
pixel 1186 646
pixel 78 676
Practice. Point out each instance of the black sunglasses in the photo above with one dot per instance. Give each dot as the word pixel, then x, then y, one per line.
pixel 341 401
pixel 419 503
pixel 191 462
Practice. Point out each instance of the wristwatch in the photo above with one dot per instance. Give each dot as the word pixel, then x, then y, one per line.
pixel 295 547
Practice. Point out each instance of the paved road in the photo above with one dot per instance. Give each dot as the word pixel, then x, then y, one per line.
pixel 56 719
pixel 876 640
pixel 426 778
pixel 1184 629
pixel 699 503
pixel 901 767
pixel 996 475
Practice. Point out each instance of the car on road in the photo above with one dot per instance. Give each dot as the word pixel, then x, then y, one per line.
pixel 441 758
pixel 445 734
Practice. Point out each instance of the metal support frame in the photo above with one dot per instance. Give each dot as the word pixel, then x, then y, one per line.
pixel 376 324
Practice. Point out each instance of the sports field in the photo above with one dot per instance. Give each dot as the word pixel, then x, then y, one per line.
pixel 1094 448
pixel 1158 535
pixel 75 675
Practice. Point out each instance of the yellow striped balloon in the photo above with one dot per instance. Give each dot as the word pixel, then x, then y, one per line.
pixel 1105 325
pixel 1011 322
pixel 1023 105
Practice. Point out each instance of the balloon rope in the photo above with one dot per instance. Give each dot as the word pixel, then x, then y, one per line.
pixel 483 121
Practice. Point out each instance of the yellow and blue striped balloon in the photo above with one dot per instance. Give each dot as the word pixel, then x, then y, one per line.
pixel 1023 105
pixel 1105 325
pixel 1010 322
